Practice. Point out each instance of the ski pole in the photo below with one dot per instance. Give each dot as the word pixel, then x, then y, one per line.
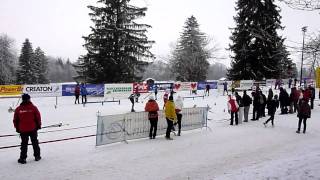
pixel 53 125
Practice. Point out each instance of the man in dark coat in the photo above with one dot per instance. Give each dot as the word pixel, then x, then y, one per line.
pixel 284 101
pixel 256 106
pixel 304 112
pixel 246 100
pixel 272 108
pixel 27 121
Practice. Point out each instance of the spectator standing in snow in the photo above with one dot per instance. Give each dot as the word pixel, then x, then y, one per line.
pixel 207 90
pixel 284 101
pixel 131 97
pixel 290 82
pixel 152 108
pixel 312 96
pixel 178 109
pixel 84 93
pixel 233 110
pixel 27 121
pixel 263 103
pixel 246 99
pixel 273 105
pixel 256 106
pixel 171 116
pixel 304 112
pixel 165 98
pixel 241 108
pixel 77 93
pixel 269 99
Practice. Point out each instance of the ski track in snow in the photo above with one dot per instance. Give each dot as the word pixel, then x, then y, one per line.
pixel 248 151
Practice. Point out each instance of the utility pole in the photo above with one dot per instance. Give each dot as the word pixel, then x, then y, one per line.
pixel 304 30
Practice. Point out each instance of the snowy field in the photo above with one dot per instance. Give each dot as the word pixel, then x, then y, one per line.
pixel 221 151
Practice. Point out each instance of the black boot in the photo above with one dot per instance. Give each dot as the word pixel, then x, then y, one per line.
pixel 37 158
pixel 22 161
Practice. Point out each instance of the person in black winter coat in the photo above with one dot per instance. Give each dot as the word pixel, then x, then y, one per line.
pixel 269 99
pixel 246 100
pixel 304 112
pixel 263 103
pixel 284 101
pixel 313 95
pixel 272 106
pixel 256 106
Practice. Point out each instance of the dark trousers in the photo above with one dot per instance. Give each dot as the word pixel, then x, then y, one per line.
pixel 270 119
pixel 311 105
pixel 77 99
pixel 24 144
pixel 170 125
pixel 235 116
pixel 256 112
pixel 85 99
pixel 153 127
pixel 304 123
pixel 179 116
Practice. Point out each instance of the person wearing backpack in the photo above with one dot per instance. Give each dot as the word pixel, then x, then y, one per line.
pixel 246 99
pixel 304 112
pixel 152 108
pixel 233 109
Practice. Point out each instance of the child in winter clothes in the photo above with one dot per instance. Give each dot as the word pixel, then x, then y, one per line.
pixel 165 98
pixel 152 108
pixel 233 109
pixel 272 106
pixel 171 116
pixel 179 106
pixel 304 112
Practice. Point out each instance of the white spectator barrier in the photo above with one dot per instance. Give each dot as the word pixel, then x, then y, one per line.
pixel 43 90
pixel 121 91
pixel 122 127
pixel 246 84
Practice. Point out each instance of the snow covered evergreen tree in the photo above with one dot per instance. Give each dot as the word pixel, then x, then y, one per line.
pixel 117 43
pixel 26 73
pixel 7 60
pixel 190 58
pixel 258 50
pixel 41 68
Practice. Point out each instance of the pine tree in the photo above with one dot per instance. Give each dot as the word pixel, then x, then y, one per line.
pixel 190 58
pixel 41 68
pixel 26 70
pixel 7 60
pixel 258 50
pixel 117 43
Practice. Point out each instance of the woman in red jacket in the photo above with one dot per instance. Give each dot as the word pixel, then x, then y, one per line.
pixel 27 121
pixel 152 108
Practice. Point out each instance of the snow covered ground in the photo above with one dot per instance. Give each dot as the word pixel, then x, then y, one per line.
pixel 221 151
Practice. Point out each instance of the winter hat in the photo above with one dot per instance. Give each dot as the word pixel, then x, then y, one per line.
pixel 25 97
pixel 151 97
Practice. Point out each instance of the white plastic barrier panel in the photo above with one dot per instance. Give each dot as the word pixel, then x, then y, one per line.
pixel 43 90
pixel 117 128
pixel 270 83
pixel 246 84
pixel 117 90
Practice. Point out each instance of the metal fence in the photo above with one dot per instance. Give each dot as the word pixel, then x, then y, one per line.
pixel 122 127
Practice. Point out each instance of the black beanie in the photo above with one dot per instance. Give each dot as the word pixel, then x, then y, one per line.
pixel 25 97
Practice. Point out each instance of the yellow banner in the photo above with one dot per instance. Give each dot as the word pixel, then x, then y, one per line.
pixel 10 90
pixel 318 77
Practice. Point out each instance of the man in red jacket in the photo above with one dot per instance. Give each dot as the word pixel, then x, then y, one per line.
pixel 27 121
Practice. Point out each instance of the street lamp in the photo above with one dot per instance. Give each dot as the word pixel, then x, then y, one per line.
pixel 304 30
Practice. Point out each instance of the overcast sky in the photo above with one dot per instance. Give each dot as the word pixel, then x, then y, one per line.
pixel 58 25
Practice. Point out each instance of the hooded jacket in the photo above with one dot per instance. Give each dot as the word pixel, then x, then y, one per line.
pixel 170 111
pixel 179 105
pixel 153 108
pixel 27 118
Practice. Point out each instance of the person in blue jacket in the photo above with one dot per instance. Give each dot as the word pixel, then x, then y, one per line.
pixel 84 93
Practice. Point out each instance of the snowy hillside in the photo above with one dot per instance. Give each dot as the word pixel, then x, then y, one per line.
pixel 221 151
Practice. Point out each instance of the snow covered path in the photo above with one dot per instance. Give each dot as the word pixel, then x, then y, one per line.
pixel 247 151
